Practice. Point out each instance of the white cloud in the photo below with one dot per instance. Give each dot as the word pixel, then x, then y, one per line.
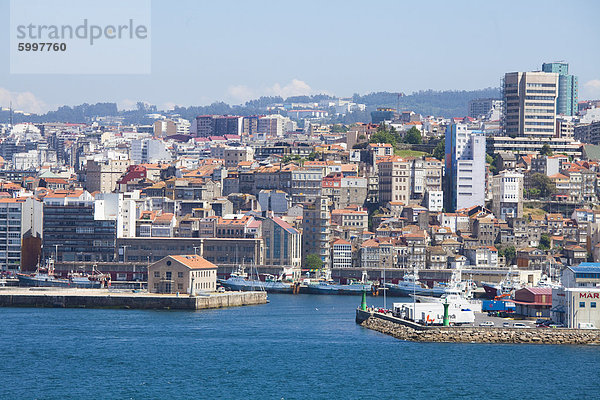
pixel 127 104
pixel 296 87
pixel 591 90
pixel 168 106
pixel 240 93
pixel 23 101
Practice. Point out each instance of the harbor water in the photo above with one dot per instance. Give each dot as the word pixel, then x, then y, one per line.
pixel 295 347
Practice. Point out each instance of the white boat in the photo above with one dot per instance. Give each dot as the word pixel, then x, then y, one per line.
pixel 505 288
pixel 410 285
pixel 457 295
pixel 455 299
pixel 545 281
pixel 433 313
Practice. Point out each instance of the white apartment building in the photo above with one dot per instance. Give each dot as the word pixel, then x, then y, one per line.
pixel 507 195
pixel 28 160
pixel 341 256
pixel 275 125
pixel 149 151
pixel 20 218
pixel 434 200
pixel 113 206
pixel 465 164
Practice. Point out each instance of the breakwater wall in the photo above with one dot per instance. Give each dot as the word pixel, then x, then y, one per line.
pixel 98 298
pixel 404 331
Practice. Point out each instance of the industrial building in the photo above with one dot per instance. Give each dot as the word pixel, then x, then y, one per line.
pixel 576 304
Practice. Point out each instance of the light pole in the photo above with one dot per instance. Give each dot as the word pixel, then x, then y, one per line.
pixel 414 284
pixel 196 250
pixel 384 289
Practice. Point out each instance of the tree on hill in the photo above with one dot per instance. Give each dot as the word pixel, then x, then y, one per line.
pixel 440 150
pixel 339 128
pixel 413 136
pixel 509 254
pixel 542 183
pixel 544 242
pixel 546 150
pixel 313 261
pixel 385 135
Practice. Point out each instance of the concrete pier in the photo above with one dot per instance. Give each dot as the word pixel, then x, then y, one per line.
pixel 106 298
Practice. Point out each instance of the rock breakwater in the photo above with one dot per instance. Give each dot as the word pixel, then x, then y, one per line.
pixel 482 335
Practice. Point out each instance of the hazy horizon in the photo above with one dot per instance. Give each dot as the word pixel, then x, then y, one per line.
pixel 205 52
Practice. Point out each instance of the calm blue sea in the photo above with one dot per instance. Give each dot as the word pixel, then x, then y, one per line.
pixel 295 347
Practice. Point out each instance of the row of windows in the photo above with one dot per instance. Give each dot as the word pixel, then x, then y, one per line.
pixel 528 116
pixel 539 110
pixel 541 91
pixel 539 104
pixel 587 275
pixel 539 98
pixel 540 123
pixel 548 85
pixel 538 130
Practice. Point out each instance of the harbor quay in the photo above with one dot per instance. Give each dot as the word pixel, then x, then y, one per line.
pixel 132 274
pixel 407 330
pixel 128 299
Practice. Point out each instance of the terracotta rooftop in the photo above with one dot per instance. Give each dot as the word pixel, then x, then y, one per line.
pixel 194 262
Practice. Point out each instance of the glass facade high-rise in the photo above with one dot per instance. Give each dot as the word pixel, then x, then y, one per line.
pixel 79 236
pixel 566 103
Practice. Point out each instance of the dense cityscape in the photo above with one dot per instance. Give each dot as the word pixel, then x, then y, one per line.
pixel 507 195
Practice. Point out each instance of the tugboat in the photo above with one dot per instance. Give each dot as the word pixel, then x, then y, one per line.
pixel 45 277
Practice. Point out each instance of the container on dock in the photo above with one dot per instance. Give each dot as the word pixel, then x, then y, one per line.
pixel 497 305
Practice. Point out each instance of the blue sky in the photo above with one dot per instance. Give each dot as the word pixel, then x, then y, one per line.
pixel 205 51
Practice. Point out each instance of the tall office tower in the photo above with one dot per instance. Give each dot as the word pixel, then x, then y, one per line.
pixel 566 104
pixel 465 167
pixel 530 104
